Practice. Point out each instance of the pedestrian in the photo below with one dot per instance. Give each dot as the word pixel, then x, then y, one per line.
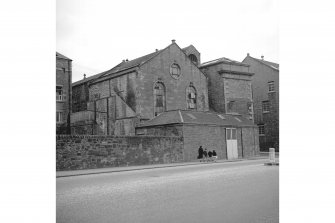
pixel 205 154
pixel 215 157
pixel 210 155
pixel 200 153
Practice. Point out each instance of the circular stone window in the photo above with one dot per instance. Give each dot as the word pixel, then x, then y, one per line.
pixel 175 71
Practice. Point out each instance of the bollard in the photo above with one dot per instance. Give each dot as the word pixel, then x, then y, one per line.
pixel 272 155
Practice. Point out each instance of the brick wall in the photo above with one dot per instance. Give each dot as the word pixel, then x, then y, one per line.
pixel 86 152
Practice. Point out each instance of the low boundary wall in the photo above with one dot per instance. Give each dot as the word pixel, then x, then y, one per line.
pixel 75 152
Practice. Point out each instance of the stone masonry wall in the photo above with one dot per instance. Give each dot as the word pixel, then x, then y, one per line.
pixel 91 151
pixel 64 79
pixel 158 69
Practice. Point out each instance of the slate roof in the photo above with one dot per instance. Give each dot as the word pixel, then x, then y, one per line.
pixel 222 60
pixel 125 65
pixel 62 56
pixel 197 117
pixel 93 77
pixel 267 63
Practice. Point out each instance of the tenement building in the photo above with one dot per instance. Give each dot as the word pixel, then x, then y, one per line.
pixel 63 94
pixel 265 84
pixel 169 92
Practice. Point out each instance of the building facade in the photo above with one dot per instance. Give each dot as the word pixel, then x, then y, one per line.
pixel 213 101
pixel 63 94
pixel 138 90
pixel 265 86
pixel 229 86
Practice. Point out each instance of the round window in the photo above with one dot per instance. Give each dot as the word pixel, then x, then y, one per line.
pixel 175 71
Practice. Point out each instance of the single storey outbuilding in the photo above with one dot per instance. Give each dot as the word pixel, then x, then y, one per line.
pixel 232 136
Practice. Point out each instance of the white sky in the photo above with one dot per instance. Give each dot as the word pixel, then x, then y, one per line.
pixel 98 34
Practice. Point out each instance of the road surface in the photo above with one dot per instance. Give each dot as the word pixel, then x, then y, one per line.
pixel 237 192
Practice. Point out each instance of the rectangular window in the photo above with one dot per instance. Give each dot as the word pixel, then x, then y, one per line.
pixel 271 86
pixel 59 117
pixel 266 106
pixel 249 107
pixel 261 129
pixel 59 93
pixel 228 134
pixel 233 134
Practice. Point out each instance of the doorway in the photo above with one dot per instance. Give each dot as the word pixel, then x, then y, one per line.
pixel 231 136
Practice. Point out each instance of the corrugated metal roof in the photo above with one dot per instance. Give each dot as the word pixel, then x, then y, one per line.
pixel 197 117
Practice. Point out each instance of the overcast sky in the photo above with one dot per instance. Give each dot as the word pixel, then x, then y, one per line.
pixel 98 34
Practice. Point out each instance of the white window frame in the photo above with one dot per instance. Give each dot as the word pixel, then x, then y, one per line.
pixel 268 106
pixel 229 133
pixel 59 116
pixel 61 97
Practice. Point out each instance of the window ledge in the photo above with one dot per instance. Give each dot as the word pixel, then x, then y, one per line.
pixel 266 111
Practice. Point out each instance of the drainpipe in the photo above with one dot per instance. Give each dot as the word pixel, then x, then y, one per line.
pixel 242 143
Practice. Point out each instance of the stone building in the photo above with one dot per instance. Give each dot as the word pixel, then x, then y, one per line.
pixel 213 101
pixel 232 136
pixel 63 94
pixel 138 90
pixel 229 86
pixel 265 85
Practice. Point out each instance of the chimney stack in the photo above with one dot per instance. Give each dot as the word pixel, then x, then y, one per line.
pixel 248 54
pixel 123 60
pixel 84 76
pixel 173 41
pixel 156 50
pixel 262 57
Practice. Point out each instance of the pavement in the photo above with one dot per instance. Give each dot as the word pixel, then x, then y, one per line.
pixel 70 173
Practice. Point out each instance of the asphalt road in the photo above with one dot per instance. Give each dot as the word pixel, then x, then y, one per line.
pixel 236 192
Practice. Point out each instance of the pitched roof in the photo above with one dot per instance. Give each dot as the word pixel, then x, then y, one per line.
pixel 62 56
pixel 93 77
pixel 267 63
pixel 125 65
pixel 197 117
pixel 222 60
pixel 87 79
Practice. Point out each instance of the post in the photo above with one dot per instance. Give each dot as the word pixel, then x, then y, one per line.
pixel 272 155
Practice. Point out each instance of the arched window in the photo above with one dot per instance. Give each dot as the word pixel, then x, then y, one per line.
pixel 159 98
pixel 193 58
pixel 191 97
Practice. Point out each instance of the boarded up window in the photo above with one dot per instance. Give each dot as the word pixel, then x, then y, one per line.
pixel 191 97
pixel 159 98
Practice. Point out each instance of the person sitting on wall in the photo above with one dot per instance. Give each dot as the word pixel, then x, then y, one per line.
pixel 200 155
pixel 210 155
pixel 215 157
pixel 205 155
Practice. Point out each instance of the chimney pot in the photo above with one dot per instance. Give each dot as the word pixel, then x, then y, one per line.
pixel 262 57
pixel 126 60
pixel 173 41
